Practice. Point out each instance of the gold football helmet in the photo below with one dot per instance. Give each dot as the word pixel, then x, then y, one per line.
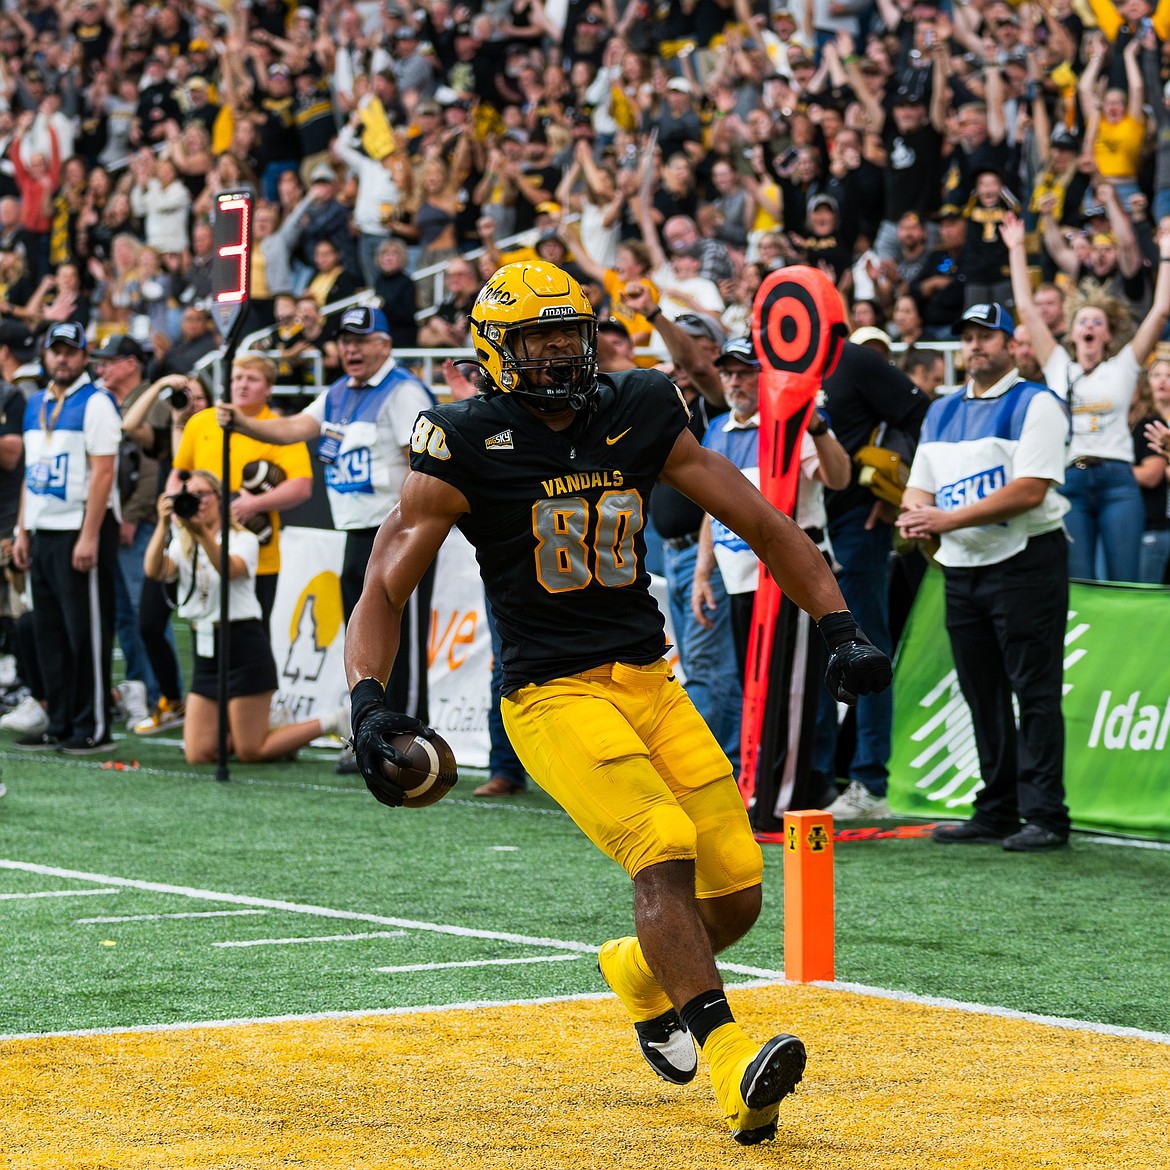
pixel 519 301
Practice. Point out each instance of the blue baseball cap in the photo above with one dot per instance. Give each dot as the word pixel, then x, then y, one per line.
pixel 738 349
pixel 990 316
pixel 364 320
pixel 68 332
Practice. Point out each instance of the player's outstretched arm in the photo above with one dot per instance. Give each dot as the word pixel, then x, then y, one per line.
pixel 855 666
pixel 407 542
pixel 291 428
pixel 718 487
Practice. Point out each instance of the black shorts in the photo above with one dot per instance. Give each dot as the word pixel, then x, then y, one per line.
pixel 251 671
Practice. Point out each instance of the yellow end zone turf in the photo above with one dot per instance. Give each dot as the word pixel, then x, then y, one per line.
pixel 889 1085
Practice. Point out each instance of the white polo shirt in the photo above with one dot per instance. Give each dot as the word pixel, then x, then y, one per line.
pixel 972 446
pixel 373 426
pixel 59 436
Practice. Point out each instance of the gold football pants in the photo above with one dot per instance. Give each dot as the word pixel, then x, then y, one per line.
pixel 625 753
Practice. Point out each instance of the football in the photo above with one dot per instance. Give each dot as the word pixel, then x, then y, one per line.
pixel 432 772
pixel 260 476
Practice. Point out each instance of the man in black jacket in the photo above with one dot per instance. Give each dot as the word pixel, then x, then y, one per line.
pixel 938 287
pixel 864 392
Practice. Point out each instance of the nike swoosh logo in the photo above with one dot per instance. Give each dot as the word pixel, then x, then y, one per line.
pixel 610 440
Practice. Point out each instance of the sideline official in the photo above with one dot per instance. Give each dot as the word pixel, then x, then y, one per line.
pixel 67 537
pixel 984 482
pixel 361 426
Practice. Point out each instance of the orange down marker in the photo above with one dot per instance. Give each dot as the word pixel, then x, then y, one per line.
pixel 808 896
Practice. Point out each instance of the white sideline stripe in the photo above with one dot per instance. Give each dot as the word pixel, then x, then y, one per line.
pixel 581 948
pixel 55 894
pixel 1130 843
pixel 318 938
pixel 982 1009
pixel 588 997
pixel 478 963
pixel 186 774
pixel 513 809
pixel 298 907
pixel 156 917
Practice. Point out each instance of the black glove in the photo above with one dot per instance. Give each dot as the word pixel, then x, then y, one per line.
pixel 374 726
pixel 856 665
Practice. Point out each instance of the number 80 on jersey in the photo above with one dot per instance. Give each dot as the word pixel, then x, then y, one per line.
pixel 429 437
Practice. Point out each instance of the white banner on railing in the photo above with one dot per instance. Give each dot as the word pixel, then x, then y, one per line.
pixel 460 654
pixel 308 637
pixel 307 627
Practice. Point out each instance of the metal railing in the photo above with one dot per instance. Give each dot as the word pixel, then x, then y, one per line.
pixel 947 348
pixel 438 272
pixel 423 362
pixel 210 367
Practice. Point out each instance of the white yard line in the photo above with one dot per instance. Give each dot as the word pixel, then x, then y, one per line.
pixel 296 907
pixel 478 963
pixel 318 938
pixel 55 894
pixel 764 977
pixel 160 917
pixel 482 1004
pixel 350 915
pixel 469 1005
pixel 1003 1013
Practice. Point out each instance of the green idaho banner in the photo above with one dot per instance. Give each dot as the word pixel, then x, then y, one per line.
pixel 1116 710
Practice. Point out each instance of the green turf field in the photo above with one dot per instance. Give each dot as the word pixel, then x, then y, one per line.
pixel 158 896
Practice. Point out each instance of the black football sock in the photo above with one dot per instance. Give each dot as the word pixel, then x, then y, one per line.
pixel 705 1013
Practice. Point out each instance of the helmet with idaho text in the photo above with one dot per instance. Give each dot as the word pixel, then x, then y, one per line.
pixel 515 305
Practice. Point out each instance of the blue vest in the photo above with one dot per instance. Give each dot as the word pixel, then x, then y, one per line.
pixel 56 468
pixel 346 408
pixel 958 419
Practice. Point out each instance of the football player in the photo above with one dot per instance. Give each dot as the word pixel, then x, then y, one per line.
pixel 549 475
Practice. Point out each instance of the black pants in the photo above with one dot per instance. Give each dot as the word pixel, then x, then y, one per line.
pixel 266 595
pixel 28 663
pixel 73 615
pixel 154 619
pixel 407 689
pixel 742 606
pixel 784 776
pixel 1007 625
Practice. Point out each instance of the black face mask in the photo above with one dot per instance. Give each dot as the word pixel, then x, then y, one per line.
pixel 574 376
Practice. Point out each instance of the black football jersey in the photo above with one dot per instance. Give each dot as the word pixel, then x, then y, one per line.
pixel 557 519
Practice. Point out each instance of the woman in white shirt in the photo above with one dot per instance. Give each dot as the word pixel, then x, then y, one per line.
pixel 1106 517
pixel 188 549
pixel 161 199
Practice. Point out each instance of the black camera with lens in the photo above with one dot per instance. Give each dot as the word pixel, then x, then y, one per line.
pixel 176 396
pixel 185 503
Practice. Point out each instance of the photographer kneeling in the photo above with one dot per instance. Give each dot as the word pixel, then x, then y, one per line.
pixel 190 552
pixel 185 396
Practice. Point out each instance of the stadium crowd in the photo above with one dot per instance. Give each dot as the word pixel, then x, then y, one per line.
pixel 927 157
